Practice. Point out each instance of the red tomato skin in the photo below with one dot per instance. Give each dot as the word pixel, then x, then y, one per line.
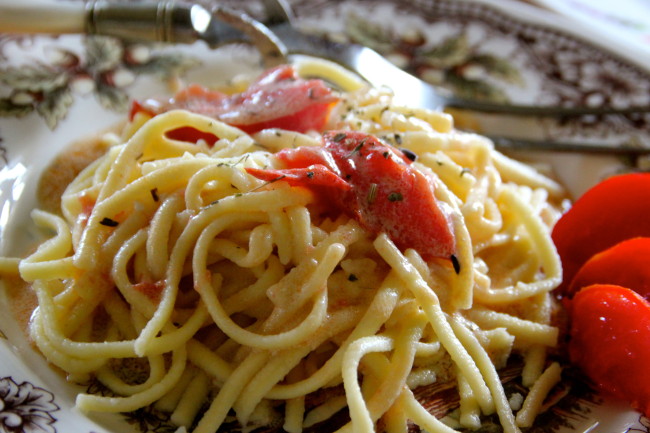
pixel 614 210
pixel 191 135
pixel 140 107
pixel 279 98
pixel 390 195
pixel 312 118
pixel 610 341
pixel 374 184
pixel 625 264
pixel 314 176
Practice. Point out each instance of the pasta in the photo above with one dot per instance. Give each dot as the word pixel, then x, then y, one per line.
pixel 175 278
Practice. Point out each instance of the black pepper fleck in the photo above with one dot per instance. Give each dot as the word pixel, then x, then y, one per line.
pixel 109 222
pixel 409 154
pixel 455 263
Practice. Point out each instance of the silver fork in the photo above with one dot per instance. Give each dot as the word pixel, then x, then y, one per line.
pixel 379 71
pixel 412 91
pixel 168 21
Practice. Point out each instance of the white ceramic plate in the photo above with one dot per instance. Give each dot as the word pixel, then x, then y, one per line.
pixel 54 91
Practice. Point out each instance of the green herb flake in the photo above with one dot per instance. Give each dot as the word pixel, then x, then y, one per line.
pixel 339 137
pixel 310 174
pixel 395 196
pixel 372 194
pixel 357 149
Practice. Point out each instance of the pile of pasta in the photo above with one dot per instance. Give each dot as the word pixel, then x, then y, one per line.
pixel 176 279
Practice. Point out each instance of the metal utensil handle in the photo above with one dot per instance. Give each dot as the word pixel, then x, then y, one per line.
pixel 164 21
pixel 42 17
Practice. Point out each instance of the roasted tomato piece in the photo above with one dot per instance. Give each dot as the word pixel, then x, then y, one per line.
pixel 279 98
pixel 612 211
pixel 314 176
pixel 386 192
pixel 625 264
pixel 610 341
pixel 192 135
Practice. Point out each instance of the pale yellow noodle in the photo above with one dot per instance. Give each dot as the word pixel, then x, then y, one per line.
pixel 539 391
pixel 247 297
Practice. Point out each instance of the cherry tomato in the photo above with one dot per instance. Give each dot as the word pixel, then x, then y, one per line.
pixel 625 264
pixel 612 211
pixel 610 341
pixel 192 135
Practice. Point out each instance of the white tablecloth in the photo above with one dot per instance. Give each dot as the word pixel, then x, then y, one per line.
pixel 627 21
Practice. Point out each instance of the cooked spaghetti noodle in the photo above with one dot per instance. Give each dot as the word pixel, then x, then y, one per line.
pixel 178 279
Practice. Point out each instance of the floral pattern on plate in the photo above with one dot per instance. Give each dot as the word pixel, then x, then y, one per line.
pixel 471 48
pixel 25 408
pixel 103 66
pixel 479 50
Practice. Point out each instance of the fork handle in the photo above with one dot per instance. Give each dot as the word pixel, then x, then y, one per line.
pixel 163 21
pixel 42 17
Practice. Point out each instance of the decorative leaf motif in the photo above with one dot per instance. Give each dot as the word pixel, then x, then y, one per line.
pixel 10 109
pixel 368 33
pixel 103 53
pixel 498 67
pixel 452 51
pixel 112 98
pixel 36 78
pixel 476 89
pixel 47 89
pixel 54 107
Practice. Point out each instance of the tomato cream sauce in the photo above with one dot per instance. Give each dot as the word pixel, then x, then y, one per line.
pixel 53 181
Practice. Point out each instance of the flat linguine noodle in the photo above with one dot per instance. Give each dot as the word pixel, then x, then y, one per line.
pixel 177 279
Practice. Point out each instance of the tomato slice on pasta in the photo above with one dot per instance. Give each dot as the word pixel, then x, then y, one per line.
pixel 375 184
pixel 279 98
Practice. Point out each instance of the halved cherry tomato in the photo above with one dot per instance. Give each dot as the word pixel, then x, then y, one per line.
pixel 375 184
pixel 315 176
pixel 625 264
pixel 147 108
pixel 279 98
pixel 192 135
pixel 610 341
pixel 614 210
